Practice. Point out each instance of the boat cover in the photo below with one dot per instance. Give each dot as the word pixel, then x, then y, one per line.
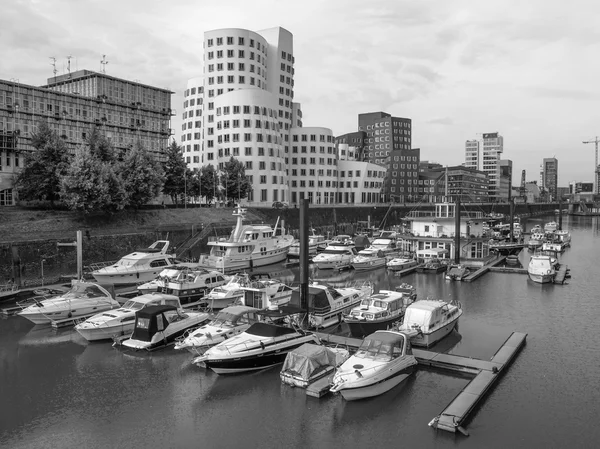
pixel 146 324
pixel 269 330
pixel 309 358
pixel 317 299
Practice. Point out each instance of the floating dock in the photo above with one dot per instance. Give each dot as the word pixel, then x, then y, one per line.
pixel 410 270
pixel 562 274
pixel 485 373
pixel 477 274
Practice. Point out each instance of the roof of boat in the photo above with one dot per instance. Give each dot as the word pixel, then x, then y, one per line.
pixel 269 330
pixel 428 304
pixel 386 295
pixel 148 312
pixel 386 336
pixel 238 310
pixel 148 297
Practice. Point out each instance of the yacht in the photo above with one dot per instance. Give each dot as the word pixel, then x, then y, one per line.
pixel 228 323
pixel 192 285
pixel 115 323
pixel 83 300
pixel 383 361
pixel 542 269
pixel 261 346
pixel 316 243
pixel 262 292
pixel 369 259
pixel 248 246
pixel 140 266
pixel 428 321
pixel 551 226
pixel 536 240
pixel 378 312
pixel 228 294
pixel 335 256
pixel 399 264
pixel 158 326
pixel 327 305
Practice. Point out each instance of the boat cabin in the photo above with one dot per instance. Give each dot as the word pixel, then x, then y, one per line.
pixel 428 314
pixel 381 305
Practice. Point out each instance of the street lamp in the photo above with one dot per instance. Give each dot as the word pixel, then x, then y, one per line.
pixel 43 260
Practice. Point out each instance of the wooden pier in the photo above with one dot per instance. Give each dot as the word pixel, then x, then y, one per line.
pixel 410 270
pixel 477 274
pixel 508 270
pixel 485 373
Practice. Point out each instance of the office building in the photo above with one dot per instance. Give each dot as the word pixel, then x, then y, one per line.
pixel 504 190
pixel 403 175
pixel 549 177
pixel 484 154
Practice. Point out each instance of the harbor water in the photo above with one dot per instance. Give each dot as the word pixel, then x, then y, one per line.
pixel 57 390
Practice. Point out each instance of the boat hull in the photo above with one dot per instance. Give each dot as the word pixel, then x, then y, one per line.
pixel 255 261
pixel 126 277
pixel 428 339
pixel 57 316
pixel 541 278
pixel 404 266
pixel 361 328
pixel 333 264
pixel 377 388
pixel 368 265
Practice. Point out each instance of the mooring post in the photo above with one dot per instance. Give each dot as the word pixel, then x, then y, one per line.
pixel 79 255
pixel 559 213
pixel 457 232
pixel 304 256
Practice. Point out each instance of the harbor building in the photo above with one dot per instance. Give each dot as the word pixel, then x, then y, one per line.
pixel 72 104
pixel 484 154
pixel 549 175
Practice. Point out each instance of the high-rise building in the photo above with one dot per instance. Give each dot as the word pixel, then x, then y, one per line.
pixel 403 174
pixel 472 157
pixel 549 174
pixel 72 104
pixel 504 191
pixel 484 154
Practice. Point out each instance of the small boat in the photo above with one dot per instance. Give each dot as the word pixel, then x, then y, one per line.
pixel 383 361
pixel 115 323
pixel 551 226
pixel 316 243
pixel 310 362
pixel 249 246
pixel 432 266
pixel 262 292
pixel 261 346
pixel 428 321
pixel 536 240
pixel 159 326
pixel 542 269
pixel 327 305
pixel 378 312
pixel 399 264
pixel 457 272
pixel 512 259
pixel 506 248
pixel 228 294
pixel 336 256
pixel 564 237
pixel 228 322
pixel 369 259
pixel 342 240
pixel 140 266
pixel 537 228
pixel 553 246
pixel 83 300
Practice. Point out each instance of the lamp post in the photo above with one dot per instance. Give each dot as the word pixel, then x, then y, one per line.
pixel 43 260
pixel 185 189
pixel 239 194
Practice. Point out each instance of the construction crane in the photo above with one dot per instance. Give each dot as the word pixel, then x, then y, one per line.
pixel 596 141
pixel 523 189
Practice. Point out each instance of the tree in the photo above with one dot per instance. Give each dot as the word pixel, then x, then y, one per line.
pixel 175 170
pixel 208 182
pixel 43 168
pixel 92 185
pixel 100 147
pixel 234 180
pixel 141 175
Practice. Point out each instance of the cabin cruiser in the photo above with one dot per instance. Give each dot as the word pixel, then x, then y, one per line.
pixel 383 361
pixel 248 246
pixel 536 240
pixel 310 362
pixel 158 326
pixel 542 268
pixel 114 323
pixel 228 294
pixel 228 322
pixel 262 292
pixel 551 226
pixel 399 264
pixel 261 346
pixel 140 266
pixel 378 312
pixel 316 243
pixel 83 300
pixel 428 321
pixel 327 305
pixel 192 284
pixel 368 259
pixel 335 257
pixel 457 272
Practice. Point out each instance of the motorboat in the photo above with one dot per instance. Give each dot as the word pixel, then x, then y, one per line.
pixel 84 299
pixel 261 346
pixel 428 321
pixel 263 292
pixel 369 259
pixel 327 305
pixel 166 274
pixel 564 237
pixel 457 272
pixel 542 268
pixel 117 322
pixel 228 294
pixel 316 243
pixel 399 264
pixel 553 246
pixel 378 312
pixel 342 240
pixel 432 266
pixel 140 266
pixel 159 326
pixel 383 361
pixel 537 228
pixel 309 363
pixel 11 293
pixel 506 248
pixel 248 246
pixel 408 290
pixel 228 323
pixel 192 284
pixel 551 226
pixel 536 240
pixel 335 257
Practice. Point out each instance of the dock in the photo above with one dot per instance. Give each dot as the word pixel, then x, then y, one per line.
pixel 410 270
pixel 508 270
pixel 562 274
pixel 10 311
pixel 480 272
pixel 485 373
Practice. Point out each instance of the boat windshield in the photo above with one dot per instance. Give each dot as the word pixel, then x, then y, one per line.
pixel 225 319
pixel 84 291
pixel 219 290
pixel 378 350
pixel 365 302
pixel 133 305
pixel 334 251
pixel 380 304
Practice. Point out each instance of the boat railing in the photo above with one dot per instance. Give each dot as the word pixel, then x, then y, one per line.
pixel 8 288
pixel 36 300
pixel 99 265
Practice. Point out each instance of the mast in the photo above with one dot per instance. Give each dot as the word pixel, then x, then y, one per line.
pixel 304 256
pixel 457 231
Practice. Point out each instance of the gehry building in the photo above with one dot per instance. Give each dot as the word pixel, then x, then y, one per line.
pixel 243 106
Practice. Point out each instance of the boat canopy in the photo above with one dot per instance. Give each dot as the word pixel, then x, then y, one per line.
pixel 149 321
pixel 423 313
pixel 308 359
pixel 383 344
pixel 317 299
pixel 269 330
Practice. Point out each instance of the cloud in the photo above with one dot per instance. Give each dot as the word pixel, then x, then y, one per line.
pixel 441 121
pixel 558 93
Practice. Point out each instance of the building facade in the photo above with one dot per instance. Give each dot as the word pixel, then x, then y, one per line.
pixel 72 105
pixel 350 146
pixel 464 183
pixel 484 154
pixel 504 191
pixel 549 175
pixel 403 175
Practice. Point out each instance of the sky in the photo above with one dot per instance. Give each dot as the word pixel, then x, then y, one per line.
pixel 458 68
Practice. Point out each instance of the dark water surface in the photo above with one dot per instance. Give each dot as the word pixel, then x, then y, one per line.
pixel 57 390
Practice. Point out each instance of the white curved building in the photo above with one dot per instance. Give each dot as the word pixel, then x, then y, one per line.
pixel 191 129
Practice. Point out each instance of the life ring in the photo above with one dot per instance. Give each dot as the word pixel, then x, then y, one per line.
pixel 548 272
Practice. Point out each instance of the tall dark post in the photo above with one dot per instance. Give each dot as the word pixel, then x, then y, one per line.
pixel 457 231
pixel 304 255
pixel 512 219
pixel 560 213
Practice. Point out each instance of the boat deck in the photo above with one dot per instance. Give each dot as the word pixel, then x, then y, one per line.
pixel 485 373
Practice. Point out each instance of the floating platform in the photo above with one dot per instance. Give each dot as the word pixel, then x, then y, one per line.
pixel 485 374
pixel 477 274
pixel 562 274
pixel 410 270
pixel 508 270
pixel 10 311
pixel 320 387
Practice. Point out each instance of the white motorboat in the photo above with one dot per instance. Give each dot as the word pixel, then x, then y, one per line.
pixel 140 266
pixel 310 362
pixel 248 246
pixel 262 292
pixel 192 285
pixel 457 272
pixel 228 322
pixel 383 361
pixel 261 346
pixel 316 243
pixel 327 305
pixel 115 323
pixel 564 237
pixel 335 257
pixel 159 326
pixel 166 274
pixel 536 240
pixel 551 226
pixel 378 312
pixel 342 240
pixel 542 269
pixel 228 294
pixel 369 259
pixel 399 264
pixel 428 321
pixel 83 300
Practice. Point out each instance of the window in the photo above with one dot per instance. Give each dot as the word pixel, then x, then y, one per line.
pixel 240 41
pixel 229 40
pixel 248 165
pixel 210 42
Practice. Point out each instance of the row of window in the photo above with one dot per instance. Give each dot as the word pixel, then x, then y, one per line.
pixel 313 149
pixel 231 68
pixel 259 124
pixel 231 80
pixel 240 41
pixel 241 54
pixel 312 138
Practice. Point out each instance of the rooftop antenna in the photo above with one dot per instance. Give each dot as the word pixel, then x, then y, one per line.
pixel 104 62
pixel 69 65
pixel 53 64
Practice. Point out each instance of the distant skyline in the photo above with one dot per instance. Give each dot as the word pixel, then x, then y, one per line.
pixel 527 70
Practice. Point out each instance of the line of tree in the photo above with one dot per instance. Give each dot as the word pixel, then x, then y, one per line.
pixel 100 178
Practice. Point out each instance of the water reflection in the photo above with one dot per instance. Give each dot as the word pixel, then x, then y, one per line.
pixel 46 336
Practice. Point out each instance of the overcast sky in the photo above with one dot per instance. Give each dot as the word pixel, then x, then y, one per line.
pixel 457 68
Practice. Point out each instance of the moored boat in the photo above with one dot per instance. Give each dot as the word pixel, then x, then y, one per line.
pixel 228 294
pixel 457 272
pixel 541 269
pixel 551 226
pixel 262 292
pixel 536 240
pixel 316 243
pixel 432 266
pixel 192 285
pixel 399 264
pixel 369 259
pixel 335 257
pixel 310 362
pixel 428 321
